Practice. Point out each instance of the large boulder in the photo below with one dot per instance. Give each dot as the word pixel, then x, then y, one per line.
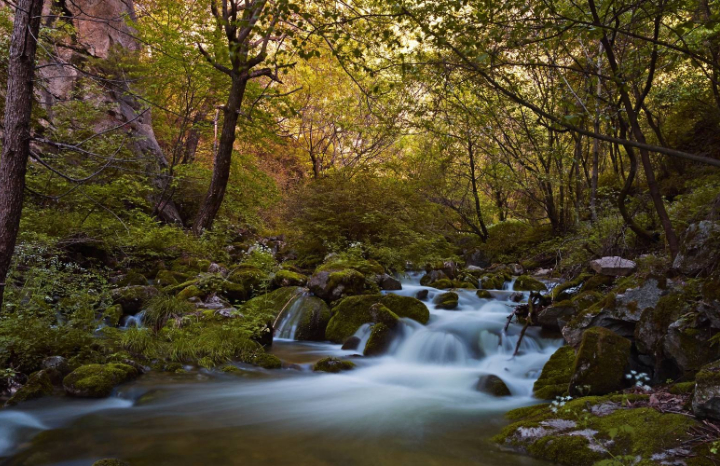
pixel 364 266
pixel 556 374
pixel 285 278
pixel 528 283
pixel 554 317
pixel 619 313
pixel 700 249
pixel 309 314
pixel 492 385
pixel 613 266
pixel 405 306
pixel 352 313
pixel 335 284
pixel 494 281
pixel 380 339
pixel 133 298
pixel 706 401
pixel 241 284
pixel 97 380
pixel 688 344
pixel 434 276
pixel 388 283
pixel 601 363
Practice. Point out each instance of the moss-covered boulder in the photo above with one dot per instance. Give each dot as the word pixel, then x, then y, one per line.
pixel 448 301
pixel 190 265
pixel 112 315
pixel 242 283
pixel 706 402
pixel 285 278
pixel 133 278
pixel 380 339
pixel 492 385
pixel 494 281
pixel 336 284
pixel 190 292
pixel 97 380
pixel 528 283
pixel 264 360
pixel 442 284
pixel 554 317
pixel 601 363
pixel 352 313
pixel 484 294
pixel 689 344
pixel 591 431
pixel 165 278
pixel 584 282
pixel 333 365
pixel 292 306
pixel 132 298
pixel 433 276
pixel 388 283
pixel 39 384
pixel 405 306
pixel 555 377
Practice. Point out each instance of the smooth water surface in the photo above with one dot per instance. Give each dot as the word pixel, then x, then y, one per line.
pixel 418 405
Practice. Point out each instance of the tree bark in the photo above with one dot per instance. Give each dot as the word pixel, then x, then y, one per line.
pixel 16 144
pixel 221 172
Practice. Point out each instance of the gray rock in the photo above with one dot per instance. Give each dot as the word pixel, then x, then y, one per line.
pixel 614 266
pixel 700 248
pixel 706 401
pixel 492 385
pixel 555 317
pixel 388 283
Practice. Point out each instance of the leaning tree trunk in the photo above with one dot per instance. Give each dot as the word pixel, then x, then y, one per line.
pixel 16 145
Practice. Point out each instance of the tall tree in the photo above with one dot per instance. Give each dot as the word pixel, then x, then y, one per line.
pixel 16 143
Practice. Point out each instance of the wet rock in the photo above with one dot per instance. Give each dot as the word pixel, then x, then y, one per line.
pixel 132 298
pixel 556 374
pixel 492 385
pixel 517 269
pixel 555 317
pixel 448 301
pixel 483 294
pixel 351 343
pixel 600 364
pixel 517 297
pixel 614 266
pixel 700 248
pixel 333 285
pixel 57 363
pixel 494 281
pixel 422 295
pixel 706 402
pixel 619 313
pixel 285 278
pixel 388 283
pixel 333 365
pixel 433 276
pixel 97 380
pixel 380 339
pixel 38 385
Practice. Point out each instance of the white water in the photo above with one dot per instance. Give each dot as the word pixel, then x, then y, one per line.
pixel 416 405
pixel 290 319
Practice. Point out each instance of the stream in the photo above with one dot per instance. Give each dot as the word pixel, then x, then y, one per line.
pixel 418 405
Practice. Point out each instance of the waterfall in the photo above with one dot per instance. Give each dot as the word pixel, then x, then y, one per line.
pixel 135 321
pixel 290 318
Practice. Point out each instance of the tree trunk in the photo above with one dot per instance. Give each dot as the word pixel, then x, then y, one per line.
pixel 16 145
pixel 476 195
pixel 223 158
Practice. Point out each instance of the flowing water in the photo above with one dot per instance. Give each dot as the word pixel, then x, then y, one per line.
pixel 418 405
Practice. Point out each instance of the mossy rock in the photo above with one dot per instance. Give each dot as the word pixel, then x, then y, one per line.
pixel 133 278
pixel 314 312
pixel 448 301
pixel 191 291
pixel 528 283
pixel 243 282
pixel 494 281
pixel 484 294
pixel 355 311
pixel 190 265
pixel 110 462
pixel 165 278
pixel 97 380
pixel 600 364
pixel 588 430
pixel 567 290
pixel 333 365
pixel 264 360
pixel 352 312
pixel 39 385
pixel 597 282
pixel 555 376
pixel 706 402
pixel 285 278
pixel 274 302
pixel 682 388
pixel 332 285
pixel 442 284
pixel 112 315
pixel 586 299
pixel 133 298
pixel 379 341
pixel 364 266
pixel 492 385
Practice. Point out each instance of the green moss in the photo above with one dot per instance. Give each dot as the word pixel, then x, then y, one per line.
pixel 463 285
pixel 556 374
pixel 586 299
pixel 333 365
pixel 352 312
pixel 527 412
pixel 600 363
pixel 709 375
pixel 442 284
pixel 597 282
pixel 711 289
pixel 483 294
pixel 133 278
pixel 112 315
pixel 683 388
pixel 165 278
pixel 528 283
pixel 262 359
pixel 289 278
pixel 405 306
pixel 562 291
pixel 364 266
pixel 379 341
pixel 572 450
pixel 494 281
pixel 38 385
pixel 272 303
pixel 97 380
pixel 447 301
pixel 191 291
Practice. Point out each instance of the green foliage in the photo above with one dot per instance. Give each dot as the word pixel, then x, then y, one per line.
pixel 161 307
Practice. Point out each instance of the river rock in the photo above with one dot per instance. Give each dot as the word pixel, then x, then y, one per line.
pixel 601 363
pixel 38 385
pixel 614 266
pixel 380 339
pixel 706 401
pixel 422 295
pixel 285 278
pixel 97 380
pixel 688 344
pixel 492 385
pixel 333 285
pixel 388 283
pixel 556 374
pixel 554 318
pixel 333 365
pixel 351 343
pixel 132 298
pixel 517 269
pixel 448 301
pixel 700 248
pixel 619 313
pixel 433 276
pixel 483 294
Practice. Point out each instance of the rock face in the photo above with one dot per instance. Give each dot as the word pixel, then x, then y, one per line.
pixel 706 402
pixel 492 385
pixel 700 248
pixel 614 266
pixel 619 313
pixel 333 285
pixel 601 362
pixel 556 374
pixel 97 380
